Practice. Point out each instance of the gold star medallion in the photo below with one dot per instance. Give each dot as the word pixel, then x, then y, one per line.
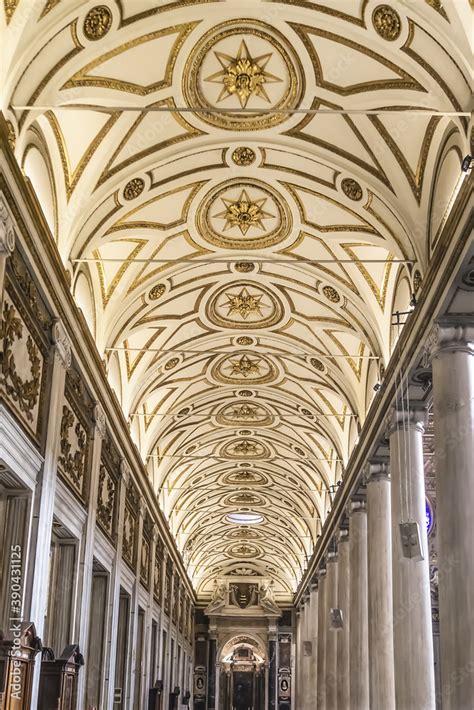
pixel 244 213
pixel 243 76
pixel 244 366
pixel 244 304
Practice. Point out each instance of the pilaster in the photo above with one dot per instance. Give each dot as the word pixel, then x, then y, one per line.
pixel 43 504
pixel 114 597
pixel 87 550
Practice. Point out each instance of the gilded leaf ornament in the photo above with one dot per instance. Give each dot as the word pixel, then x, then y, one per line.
pixel 244 213
pixel 243 76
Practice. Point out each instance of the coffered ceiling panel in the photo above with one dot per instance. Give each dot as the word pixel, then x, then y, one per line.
pixel 240 193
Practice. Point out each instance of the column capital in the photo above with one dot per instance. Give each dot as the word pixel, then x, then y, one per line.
pixel 378 470
pixel 7 231
pixel 313 586
pixel 321 573
pixel 414 418
pixel 61 342
pixel 357 506
pixel 100 420
pixel 449 336
pixel 331 556
pixel 343 535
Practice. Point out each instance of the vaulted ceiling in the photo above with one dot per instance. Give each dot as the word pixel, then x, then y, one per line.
pixel 242 192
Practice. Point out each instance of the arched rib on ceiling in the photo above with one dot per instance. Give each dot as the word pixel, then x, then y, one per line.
pixel 239 270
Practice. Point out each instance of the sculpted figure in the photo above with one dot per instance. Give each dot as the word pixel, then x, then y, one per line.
pixel 267 600
pixel 218 600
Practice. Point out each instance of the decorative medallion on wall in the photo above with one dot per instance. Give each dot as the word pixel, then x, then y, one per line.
pixel 244 267
pixel 387 22
pixel 243 498
pixel 239 412
pixel 244 304
pixel 242 368
pixel 243 550
pixel 245 449
pixel 243 156
pixel 238 65
pixel 97 23
pixel 246 477
pixel 133 188
pixel 243 215
pixel 243 534
pixel 331 294
pixel 351 189
pixel 317 364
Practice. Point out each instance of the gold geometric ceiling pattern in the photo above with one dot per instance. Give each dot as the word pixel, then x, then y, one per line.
pixel 238 230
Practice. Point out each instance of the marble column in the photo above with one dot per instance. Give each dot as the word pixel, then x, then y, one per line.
pixel 321 652
pixel 412 630
pixel 379 541
pixel 331 633
pixel 343 601
pixel 7 244
pixel 312 694
pixel 358 611
pixel 452 351
pixel 43 505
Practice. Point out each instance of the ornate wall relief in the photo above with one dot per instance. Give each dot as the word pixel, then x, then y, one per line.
pixel 106 500
pixel 107 494
pixel 243 64
pixel 73 450
pixel 22 365
pixel 129 536
pixel 75 434
pixel 130 524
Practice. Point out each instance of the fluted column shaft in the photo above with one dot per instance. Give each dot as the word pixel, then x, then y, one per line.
pixel 452 351
pixel 379 540
pixel 358 640
pixel 331 634
pixel 321 652
pixel 412 630
pixel 343 600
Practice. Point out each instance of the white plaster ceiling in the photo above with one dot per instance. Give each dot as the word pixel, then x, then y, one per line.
pixel 243 267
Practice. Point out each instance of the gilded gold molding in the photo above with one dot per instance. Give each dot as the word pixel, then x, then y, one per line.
pixel 84 78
